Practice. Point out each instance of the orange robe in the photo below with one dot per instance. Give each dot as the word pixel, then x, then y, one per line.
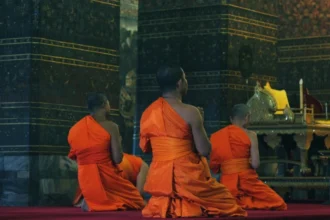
pixel 231 155
pixel 179 180
pixel 101 182
pixel 130 167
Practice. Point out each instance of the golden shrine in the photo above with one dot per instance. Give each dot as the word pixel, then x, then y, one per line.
pixel 304 166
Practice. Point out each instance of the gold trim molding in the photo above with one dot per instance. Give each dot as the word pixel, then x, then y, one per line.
pixel 113 3
pixel 47 103
pixel 304 47
pixel 227 31
pixel 52 109
pixel 61 44
pixel 248 34
pixel 303 58
pixel 229 17
pixel 303 38
pixel 250 10
pixel 214 5
pixel 59 60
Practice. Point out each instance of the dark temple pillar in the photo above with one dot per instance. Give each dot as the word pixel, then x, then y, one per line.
pixel 205 37
pixel 52 54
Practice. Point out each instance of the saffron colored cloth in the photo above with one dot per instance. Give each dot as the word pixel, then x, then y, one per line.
pixel 101 182
pixel 231 156
pixel 179 180
pixel 130 167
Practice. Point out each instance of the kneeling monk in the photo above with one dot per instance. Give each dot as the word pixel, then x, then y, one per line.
pixel 133 169
pixel 179 178
pixel 95 144
pixel 232 148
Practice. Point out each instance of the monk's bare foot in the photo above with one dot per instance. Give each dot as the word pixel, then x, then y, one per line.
pixel 84 206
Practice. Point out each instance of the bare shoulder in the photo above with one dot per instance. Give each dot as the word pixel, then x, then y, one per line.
pixel 252 133
pixel 109 125
pixel 191 110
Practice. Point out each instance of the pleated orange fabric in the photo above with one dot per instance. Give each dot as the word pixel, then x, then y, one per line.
pixel 130 167
pixel 231 156
pixel 179 180
pixel 101 182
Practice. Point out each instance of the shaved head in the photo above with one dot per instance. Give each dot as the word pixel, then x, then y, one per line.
pixel 239 112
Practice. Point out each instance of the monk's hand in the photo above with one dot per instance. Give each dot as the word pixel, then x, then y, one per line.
pixel 201 111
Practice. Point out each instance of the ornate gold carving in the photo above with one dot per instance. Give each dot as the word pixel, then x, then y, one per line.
pixel 262 106
pixel 303 141
pixel 59 60
pixel 273 140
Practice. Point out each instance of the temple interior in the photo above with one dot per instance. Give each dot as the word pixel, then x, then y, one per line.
pixel 272 55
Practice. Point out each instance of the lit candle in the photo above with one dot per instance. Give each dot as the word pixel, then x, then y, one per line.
pixel 301 93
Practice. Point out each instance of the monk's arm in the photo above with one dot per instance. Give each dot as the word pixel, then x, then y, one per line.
pixel 255 161
pixel 142 176
pixel 115 148
pixel 201 140
pixel 72 154
pixel 214 162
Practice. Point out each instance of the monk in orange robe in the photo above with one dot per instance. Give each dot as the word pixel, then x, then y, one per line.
pixel 235 153
pixel 133 169
pixel 95 144
pixel 179 177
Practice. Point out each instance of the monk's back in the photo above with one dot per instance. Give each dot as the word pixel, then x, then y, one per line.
pixel 101 182
pixel 181 109
pixel 231 153
pixel 179 179
pixel 240 144
pixel 88 133
pixel 164 120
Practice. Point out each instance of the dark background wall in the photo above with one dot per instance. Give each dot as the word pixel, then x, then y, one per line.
pixel 303 49
pixel 205 37
pixel 52 53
